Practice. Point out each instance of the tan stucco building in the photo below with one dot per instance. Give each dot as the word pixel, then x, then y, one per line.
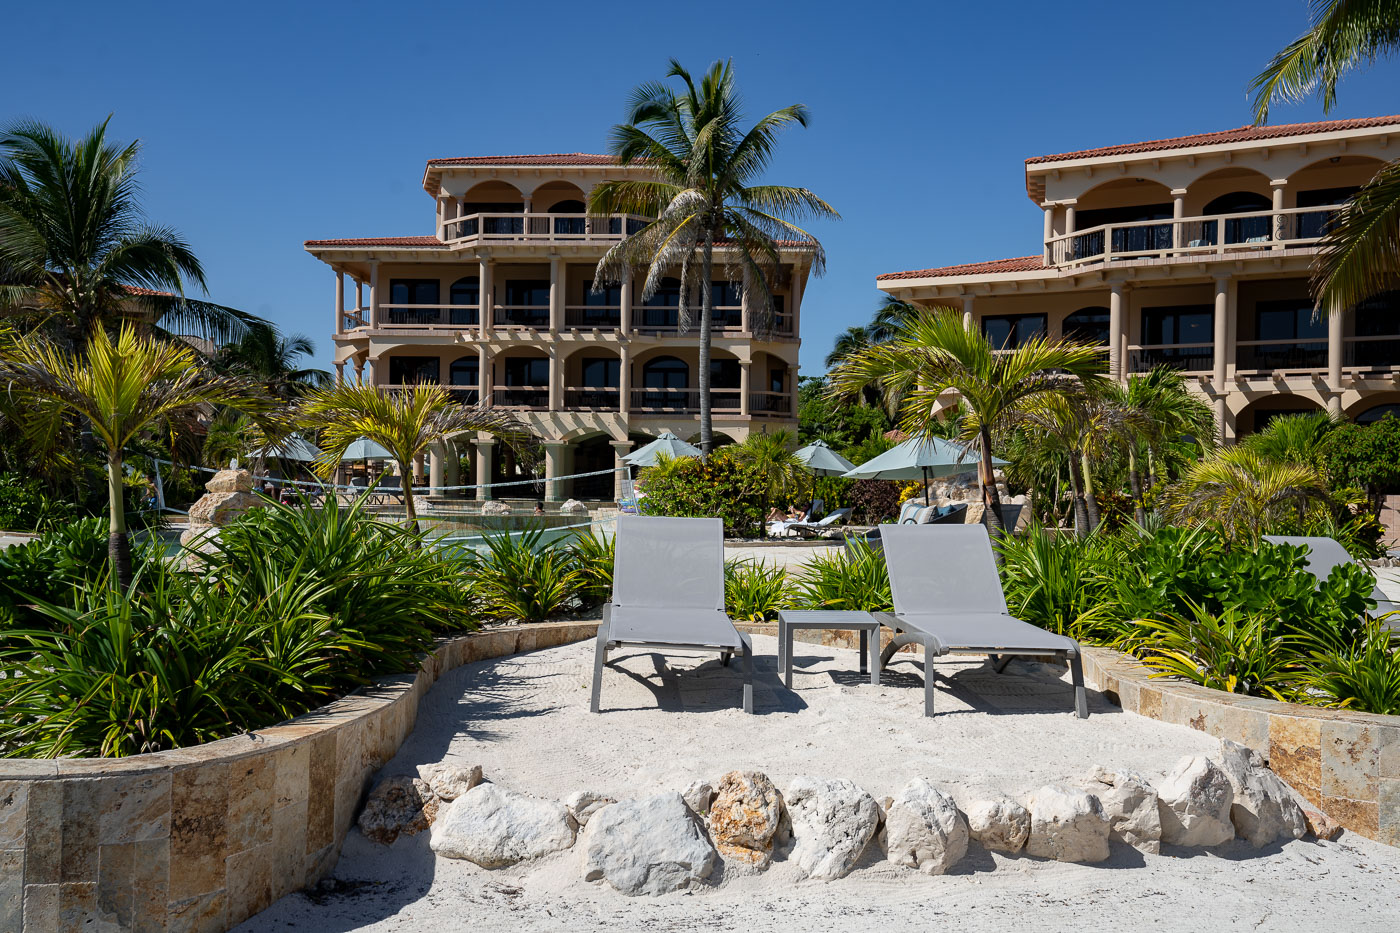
pixel 1195 252
pixel 498 305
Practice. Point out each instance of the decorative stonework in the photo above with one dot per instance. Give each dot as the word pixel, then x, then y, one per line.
pixel 227 496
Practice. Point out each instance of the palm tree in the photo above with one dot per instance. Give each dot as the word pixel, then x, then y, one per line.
pixel 75 253
pixel 849 341
pixel 1360 253
pixel 772 457
pixel 1166 410
pixel 934 353
pixel 1294 438
pixel 704 197
pixel 404 423
pixel 121 388
pixel 1055 429
pixel 271 359
pixel 1244 492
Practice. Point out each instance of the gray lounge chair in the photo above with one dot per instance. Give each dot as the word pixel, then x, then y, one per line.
pixel 668 594
pixel 948 598
pixel 806 528
pixel 1326 553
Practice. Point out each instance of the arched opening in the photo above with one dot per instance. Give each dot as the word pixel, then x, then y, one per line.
pixel 666 381
pixel 725 381
pixel 1087 325
pixel 492 198
pixel 1257 414
pixel 412 370
pixel 593 380
pixel 1132 201
pixel 1377 412
pixel 522 381
pixel 465 298
pixel 592 454
pixel 661 310
pixel 1325 185
pixel 1240 229
pixel 465 376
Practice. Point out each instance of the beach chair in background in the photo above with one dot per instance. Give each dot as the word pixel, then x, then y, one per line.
pixel 948 598
pixel 1324 554
pixel 668 595
pixel 809 529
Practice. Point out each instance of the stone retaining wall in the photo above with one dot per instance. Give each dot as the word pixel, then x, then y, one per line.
pixel 1346 764
pixel 200 839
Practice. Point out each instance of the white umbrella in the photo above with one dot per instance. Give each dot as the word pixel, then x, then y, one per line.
pixel 667 444
pixel 365 449
pixel 919 458
pixel 293 448
pixel 823 461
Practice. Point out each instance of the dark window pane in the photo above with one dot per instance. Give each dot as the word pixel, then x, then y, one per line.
pixel 608 296
pixel 665 372
pixel 601 373
pixel 1008 331
pixel 466 371
pixel 775 379
pixel 527 372
pixel 1177 324
pixel 527 291
pixel 668 295
pixel 724 374
pixel 1087 325
pixel 410 370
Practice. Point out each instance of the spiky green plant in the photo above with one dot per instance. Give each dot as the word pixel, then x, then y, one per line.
pixel 771 458
pixel 522 576
pixel 1362 675
pixel 1245 493
pixel 753 590
pixel 593 554
pixel 856 580
pixel 1231 651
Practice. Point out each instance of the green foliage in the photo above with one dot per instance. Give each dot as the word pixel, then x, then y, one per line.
pixel 593 556
pixel 856 580
pixel 1364 456
pixel 718 487
pixel 875 500
pixel 522 576
pixel 754 591
pixel 25 505
pixel 840 424
pixel 1364 675
pixel 1060 582
pixel 1233 650
pixel 49 569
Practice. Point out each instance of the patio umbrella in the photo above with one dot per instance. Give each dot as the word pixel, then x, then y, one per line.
pixel 365 449
pixel 293 448
pixel 667 444
pixel 919 458
pixel 823 461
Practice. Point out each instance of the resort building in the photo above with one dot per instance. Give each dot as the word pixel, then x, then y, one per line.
pixel 1195 252
pixel 498 304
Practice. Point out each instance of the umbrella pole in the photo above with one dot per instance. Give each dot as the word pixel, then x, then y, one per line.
pixel 926 502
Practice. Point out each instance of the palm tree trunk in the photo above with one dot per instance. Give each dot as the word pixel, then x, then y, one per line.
pixel 1135 484
pixel 406 484
pixel 706 312
pixel 991 499
pixel 118 544
pixel 1091 504
pixel 1076 492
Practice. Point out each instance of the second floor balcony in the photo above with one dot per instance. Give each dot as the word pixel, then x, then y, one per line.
pixel 518 227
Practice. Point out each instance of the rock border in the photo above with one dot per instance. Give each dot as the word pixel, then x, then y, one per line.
pixel 202 838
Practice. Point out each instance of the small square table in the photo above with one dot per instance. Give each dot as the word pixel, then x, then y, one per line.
pixel 790 620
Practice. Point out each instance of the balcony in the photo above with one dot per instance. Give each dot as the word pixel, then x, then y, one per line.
pixel 592 398
pixel 1216 236
pixel 663 321
pixel 522 316
pixel 684 400
pixel 1373 353
pixel 528 398
pixel 770 403
pixel 1280 356
pixel 537 228
pixel 1188 357
pixel 426 317
pixel 589 316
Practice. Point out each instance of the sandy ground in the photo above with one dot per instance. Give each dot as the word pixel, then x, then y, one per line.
pixel 667 722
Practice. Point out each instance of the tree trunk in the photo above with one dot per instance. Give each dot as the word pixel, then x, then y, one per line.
pixel 991 499
pixel 406 484
pixel 1091 504
pixel 706 312
pixel 1135 484
pixel 118 544
pixel 1076 492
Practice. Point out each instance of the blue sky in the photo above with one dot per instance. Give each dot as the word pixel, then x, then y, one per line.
pixel 267 124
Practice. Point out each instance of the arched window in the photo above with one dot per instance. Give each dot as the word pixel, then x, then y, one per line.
pixel 465 371
pixel 465 291
pixel 664 378
pixel 1372 415
pixel 569 226
pixel 568 207
pixel 1087 325
pixel 1246 229
pixel 660 310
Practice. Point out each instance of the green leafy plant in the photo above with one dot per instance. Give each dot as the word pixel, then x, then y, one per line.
pixel 1058 582
pixel 753 590
pixel 715 488
pixel 522 576
pixel 50 569
pixel 1231 651
pixel 857 581
pixel 1363 675
pixel 593 555
pixel 26 506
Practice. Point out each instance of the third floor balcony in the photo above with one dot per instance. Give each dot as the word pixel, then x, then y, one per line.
pixel 518 227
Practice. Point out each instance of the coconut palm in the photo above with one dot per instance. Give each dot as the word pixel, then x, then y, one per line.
pixel 934 354
pixel 121 389
pixel 849 341
pixel 1360 253
pixel 704 198
pixel 268 357
pixel 1245 493
pixel 772 457
pixel 75 252
pixel 405 423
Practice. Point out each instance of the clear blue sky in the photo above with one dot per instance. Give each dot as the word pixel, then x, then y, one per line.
pixel 267 124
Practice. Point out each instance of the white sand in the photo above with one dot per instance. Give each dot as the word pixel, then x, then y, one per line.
pixel 525 720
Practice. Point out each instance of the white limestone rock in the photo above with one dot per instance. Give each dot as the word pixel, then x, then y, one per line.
pixel 924 830
pixel 573 507
pixel 650 846
pixel 494 827
pixel 698 795
pixel 832 823
pixel 582 804
pixel 1000 824
pixel 495 507
pixel 1195 801
pixel 1068 825
pixel 1130 804
pixel 450 781
pixel 1264 808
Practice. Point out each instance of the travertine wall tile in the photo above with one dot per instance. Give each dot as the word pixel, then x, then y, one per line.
pixel 198 830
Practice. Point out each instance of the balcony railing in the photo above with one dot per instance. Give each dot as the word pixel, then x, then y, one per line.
pixel 352 318
pixel 592 316
pixel 1280 355
pixel 536 316
pixel 667 320
pixel 591 398
pixel 1380 352
pixel 770 403
pixel 1205 237
pixel 395 316
pixel 465 395
pixel 544 228
pixel 527 397
pixel 684 400
pixel 1190 357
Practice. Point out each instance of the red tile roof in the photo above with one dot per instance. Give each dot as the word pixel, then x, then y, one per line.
pixel 1237 135
pixel 1015 264
pixel 420 241
pixel 145 292
pixel 552 158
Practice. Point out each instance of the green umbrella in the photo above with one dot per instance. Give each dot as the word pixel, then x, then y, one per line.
pixel 667 444
pixel 919 458
pixel 823 461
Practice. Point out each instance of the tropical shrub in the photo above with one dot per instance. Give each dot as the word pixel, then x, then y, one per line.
pixel 753 590
pixel 715 488
pixel 522 576
pixel 26 506
pixel 1363 675
pixel 855 580
pixel 874 500
pixel 593 556
pixel 1233 651
pixel 1060 582
pixel 50 569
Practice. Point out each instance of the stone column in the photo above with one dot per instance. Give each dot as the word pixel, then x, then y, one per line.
pixel 1221 413
pixel 359 298
pixel 374 295
pixel 744 387
pixel 1069 215
pixel 556 380
pixel 339 302
pixel 1222 332
pixel 796 299
pixel 437 466
pixel 793 370
pixel 452 473
pixel 1336 348
pixel 418 468
pixel 620 450
pixel 557 274
pixel 1116 364
pixel 359 369
pixel 487 313
pixel 1278 228
pixel 484 362
pixel 483 465
pixel 1049 231
pixel 624 380
pixel 967 312
pixel 554 453
pixel 1178 212
pixel 340 373
pixel 625 312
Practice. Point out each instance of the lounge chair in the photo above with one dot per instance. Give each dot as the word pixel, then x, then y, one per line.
pixel 809 528
pixel 1324 554
pixel 668 594
pixel 948 598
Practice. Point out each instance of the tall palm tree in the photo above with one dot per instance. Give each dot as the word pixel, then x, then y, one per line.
pixel 272 359
pixel 1166 410
pixel 75 252
pixel 934 353
pixel 121 388
pixel 1055 429
pixel 404 423
pixel 772 456
pixel 854 338
pixel 705 197
pixel 1244 493
pixel 1294 438
pixel 1360 253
